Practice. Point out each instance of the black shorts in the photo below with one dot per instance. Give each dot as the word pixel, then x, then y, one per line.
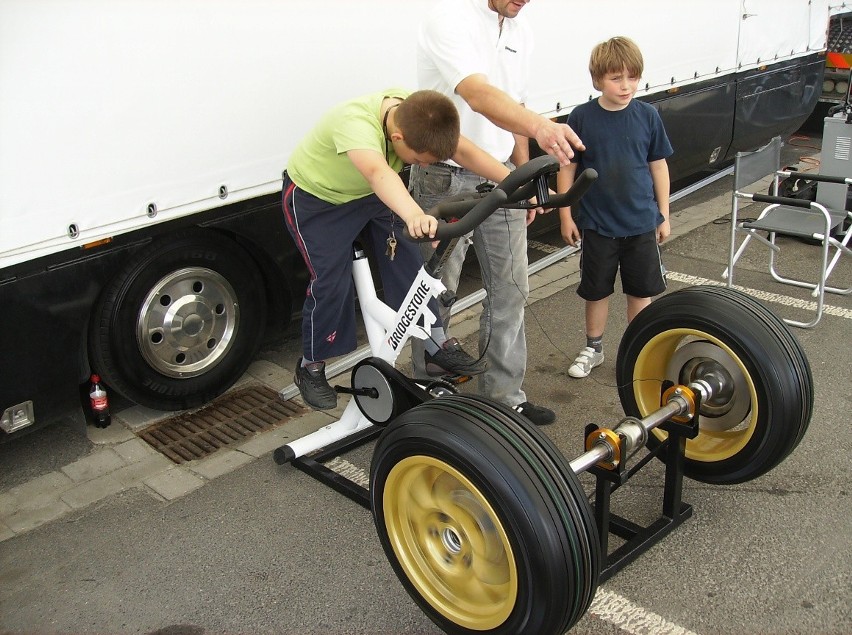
pixel 638 258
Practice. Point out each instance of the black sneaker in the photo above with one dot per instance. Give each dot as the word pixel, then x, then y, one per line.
pixel 539 415
pixel 450 359
pixel 314 386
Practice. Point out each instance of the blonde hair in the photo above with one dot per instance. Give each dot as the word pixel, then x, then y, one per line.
pixel 613 56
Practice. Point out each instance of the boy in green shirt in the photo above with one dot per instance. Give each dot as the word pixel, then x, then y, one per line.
pixel 342 179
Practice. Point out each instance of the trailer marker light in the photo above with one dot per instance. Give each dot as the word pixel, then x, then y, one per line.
pixel 97 243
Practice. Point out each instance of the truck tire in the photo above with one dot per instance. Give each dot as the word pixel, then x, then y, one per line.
pixel 180 323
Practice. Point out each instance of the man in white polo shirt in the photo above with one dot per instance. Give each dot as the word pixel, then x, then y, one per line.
pixel 478 53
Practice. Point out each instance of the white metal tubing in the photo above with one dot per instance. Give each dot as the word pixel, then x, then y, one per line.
pixel 351 422
pixel 412 310
pixel 378 317
pixel 380 321
pixel 702 183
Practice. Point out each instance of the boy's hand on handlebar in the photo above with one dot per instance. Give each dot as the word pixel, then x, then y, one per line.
pixel 422 225
pixel 558 140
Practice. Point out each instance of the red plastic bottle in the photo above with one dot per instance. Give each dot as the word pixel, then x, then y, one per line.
pixel 99 403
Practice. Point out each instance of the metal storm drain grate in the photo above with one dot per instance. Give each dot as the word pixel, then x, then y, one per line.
pixel 227 420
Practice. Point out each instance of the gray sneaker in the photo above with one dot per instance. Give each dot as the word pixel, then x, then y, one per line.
pixel 314 386
pixel 585 362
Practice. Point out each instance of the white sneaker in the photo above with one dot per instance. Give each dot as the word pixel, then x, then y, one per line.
pixel 585 362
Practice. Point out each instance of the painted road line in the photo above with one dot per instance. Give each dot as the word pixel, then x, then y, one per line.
pixel 630 618
pixel 764 295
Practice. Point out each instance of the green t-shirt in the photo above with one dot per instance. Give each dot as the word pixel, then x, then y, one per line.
pixel 319 164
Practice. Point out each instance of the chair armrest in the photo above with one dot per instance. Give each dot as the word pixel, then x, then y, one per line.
pixel 781 200
pixel 821 178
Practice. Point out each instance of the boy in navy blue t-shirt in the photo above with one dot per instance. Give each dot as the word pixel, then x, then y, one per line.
pixel 625 216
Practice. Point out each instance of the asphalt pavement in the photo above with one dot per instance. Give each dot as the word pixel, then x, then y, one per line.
pixel 109 537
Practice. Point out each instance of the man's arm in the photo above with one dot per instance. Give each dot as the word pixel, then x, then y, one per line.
pixel 471 156
pixel 392 191
pixel 499 108
pixel 660 176
pixel 521 151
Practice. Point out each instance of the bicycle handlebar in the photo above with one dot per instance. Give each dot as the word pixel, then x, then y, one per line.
pixel 520 185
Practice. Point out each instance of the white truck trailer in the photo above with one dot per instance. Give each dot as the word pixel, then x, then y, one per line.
pixel 142 145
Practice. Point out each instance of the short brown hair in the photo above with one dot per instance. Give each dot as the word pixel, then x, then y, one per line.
pixel 613 56
pixel 429 122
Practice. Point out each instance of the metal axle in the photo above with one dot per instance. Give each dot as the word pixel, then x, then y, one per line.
pixel 608 448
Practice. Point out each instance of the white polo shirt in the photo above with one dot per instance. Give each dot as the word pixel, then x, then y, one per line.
pixel 460 38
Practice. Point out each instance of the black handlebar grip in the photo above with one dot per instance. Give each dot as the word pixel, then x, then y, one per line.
pixel 456 206
pixel 482 210
pixel 532 169
pixel 473 209
pixel 513 185
pixel 580 186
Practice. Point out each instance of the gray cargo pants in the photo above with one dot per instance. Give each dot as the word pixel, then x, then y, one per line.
pixel 501 248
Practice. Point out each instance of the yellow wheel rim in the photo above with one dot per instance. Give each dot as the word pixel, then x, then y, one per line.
pixel 450 543
pixel 728 421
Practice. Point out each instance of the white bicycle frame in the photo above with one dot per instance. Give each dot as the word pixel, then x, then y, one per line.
pixel 387 333
pixel 387 330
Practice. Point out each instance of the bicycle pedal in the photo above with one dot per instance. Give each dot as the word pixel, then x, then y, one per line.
pixel 455 380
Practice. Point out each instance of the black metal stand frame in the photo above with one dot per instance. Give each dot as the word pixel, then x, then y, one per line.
pixel 672 452
pixel 637 538
pixel 405 395
pixel 314 465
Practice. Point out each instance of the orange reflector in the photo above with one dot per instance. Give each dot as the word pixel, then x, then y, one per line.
pixel 97 243
pixel 838 60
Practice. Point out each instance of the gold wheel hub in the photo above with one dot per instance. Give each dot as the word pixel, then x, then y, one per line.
pixel 727 421
pixel 450 542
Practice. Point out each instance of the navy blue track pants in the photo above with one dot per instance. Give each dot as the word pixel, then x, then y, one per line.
pixel 324 233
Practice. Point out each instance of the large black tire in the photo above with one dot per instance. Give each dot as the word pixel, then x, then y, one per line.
pixel 765 402
pixel 483 520
pixel 180 323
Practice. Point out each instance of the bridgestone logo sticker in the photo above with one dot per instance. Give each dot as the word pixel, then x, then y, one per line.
pixel 411 311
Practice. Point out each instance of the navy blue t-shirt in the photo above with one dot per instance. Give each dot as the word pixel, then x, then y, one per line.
pixel 619 145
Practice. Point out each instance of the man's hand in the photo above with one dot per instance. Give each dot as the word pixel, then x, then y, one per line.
pixel 558 140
